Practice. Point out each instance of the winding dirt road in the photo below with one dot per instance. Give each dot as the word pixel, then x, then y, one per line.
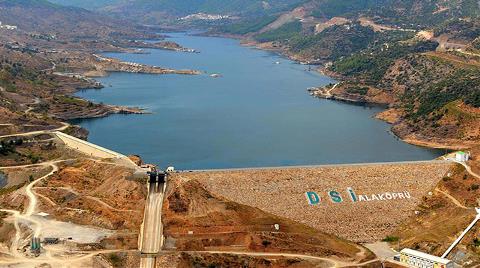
pixel 30 210
pixel 38 132
pixel 453 199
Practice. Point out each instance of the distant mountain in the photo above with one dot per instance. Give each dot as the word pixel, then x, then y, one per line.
pixel 185 7
pixel 412 12
pixel 87 4
pixel 154 11
pixel 42 16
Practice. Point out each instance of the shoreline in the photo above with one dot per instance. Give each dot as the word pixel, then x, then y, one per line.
pixel 413 139
pixel 281 52
pixel 103 67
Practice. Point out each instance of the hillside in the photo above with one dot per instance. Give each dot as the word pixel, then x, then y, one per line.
pixel 41 16
pixel 420 58
pixel 162 11
pixel 402 12
pixel 395 14
pixel 87 4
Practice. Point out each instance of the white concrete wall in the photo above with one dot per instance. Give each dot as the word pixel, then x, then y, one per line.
pixel 87 147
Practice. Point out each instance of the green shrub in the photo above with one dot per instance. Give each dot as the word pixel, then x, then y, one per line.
pixel 357 90
pixel 286 31
pixel 115 260
pixel 446 178
pixel 391 239
pixel 250 26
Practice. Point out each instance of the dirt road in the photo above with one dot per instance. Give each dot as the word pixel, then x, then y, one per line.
pixel 331 261
pixel 38 132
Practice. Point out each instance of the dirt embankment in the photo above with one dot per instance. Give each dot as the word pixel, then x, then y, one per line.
pixel 282 192
pixel 198 220
pixel 99 192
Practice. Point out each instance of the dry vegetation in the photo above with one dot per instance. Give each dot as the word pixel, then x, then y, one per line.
pixel 99 194
pixel 441 218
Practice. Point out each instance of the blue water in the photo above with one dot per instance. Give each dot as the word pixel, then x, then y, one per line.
pixel 257 114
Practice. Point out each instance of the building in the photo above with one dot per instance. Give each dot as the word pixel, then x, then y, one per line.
pixel 462 156
pixel 35 246
pixel 51 240
pixel 8 27
pixel 414 258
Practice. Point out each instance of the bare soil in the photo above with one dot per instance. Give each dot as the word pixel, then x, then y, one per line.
pixel 196 219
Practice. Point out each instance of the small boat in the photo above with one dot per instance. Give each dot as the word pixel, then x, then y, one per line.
pixel 215 75
pixel 277 62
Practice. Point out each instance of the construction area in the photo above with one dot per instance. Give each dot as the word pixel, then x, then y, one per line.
pixel 66 201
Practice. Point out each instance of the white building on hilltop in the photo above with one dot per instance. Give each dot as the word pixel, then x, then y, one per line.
pixel 462 156
pixel 7 27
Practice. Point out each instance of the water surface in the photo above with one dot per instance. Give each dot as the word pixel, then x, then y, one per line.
pixel 257 114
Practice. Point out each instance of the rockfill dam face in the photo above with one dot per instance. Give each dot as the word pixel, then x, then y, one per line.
pixel 362 203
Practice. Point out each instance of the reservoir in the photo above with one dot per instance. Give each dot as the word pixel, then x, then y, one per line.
pixel 258 113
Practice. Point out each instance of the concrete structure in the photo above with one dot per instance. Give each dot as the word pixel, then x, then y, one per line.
pixel 157 176
pixel 87 147
pixel 94 150
pixel 414 258
pixel 151 232
pixel 462 156
pixel 35 246
pixel 8 27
